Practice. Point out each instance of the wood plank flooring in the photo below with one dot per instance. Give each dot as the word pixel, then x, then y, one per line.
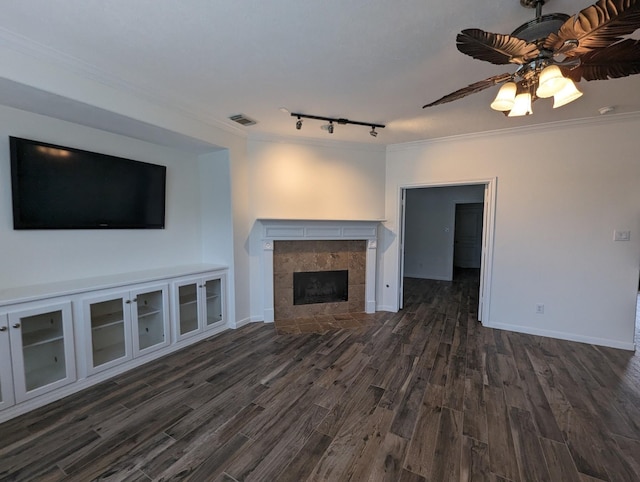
pixel 427 394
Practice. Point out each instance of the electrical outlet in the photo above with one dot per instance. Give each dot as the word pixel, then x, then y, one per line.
pixel 540 309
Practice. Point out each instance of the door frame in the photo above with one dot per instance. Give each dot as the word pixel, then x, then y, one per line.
pixel 488 230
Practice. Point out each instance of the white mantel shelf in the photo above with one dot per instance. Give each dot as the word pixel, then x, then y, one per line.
pixel 313 230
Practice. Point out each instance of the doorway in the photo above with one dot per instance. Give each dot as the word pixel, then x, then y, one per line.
pixel 428 231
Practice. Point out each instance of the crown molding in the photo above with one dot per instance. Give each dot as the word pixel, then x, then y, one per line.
pixel 545 127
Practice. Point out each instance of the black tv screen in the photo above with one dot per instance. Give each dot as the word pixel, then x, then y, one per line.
pixel 55 187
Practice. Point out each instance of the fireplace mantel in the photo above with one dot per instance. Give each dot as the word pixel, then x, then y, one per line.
pixel 311 230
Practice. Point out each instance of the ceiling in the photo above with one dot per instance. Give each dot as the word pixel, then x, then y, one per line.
pixel 366 60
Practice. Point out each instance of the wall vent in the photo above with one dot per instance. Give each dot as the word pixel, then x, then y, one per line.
pixel 242 120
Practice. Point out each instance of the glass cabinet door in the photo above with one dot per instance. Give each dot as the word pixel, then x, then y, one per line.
pixel 150 319
pixel 41 349
pixel 109 331
pixel 213 301
pixel 188 308
pixel 199 304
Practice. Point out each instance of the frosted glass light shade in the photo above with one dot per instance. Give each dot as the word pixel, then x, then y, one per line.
pixel 506 97
pixel 569 93
pixel 550 82
pixel 522 105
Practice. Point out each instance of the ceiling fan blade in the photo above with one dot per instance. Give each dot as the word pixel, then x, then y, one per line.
pixel 471 89
pixel 496 48
pixel 618 60
pixel 596 27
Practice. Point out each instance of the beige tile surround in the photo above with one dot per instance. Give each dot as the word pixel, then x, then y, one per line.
pixel 320 255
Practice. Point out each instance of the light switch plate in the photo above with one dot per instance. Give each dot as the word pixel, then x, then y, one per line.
pixel 621 235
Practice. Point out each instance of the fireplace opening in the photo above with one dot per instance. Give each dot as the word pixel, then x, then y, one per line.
pixel 310 287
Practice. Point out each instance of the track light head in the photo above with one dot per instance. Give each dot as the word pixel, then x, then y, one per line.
pixel 299 124
pixel 330 128
pixel 373 132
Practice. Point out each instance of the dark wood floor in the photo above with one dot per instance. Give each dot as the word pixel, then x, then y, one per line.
pixel 425 394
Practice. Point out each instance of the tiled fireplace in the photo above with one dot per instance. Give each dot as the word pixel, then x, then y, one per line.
pixel 320 250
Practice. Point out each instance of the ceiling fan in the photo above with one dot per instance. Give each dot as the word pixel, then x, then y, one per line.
pixel 552 51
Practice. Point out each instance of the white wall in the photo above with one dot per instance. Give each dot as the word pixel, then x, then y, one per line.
pixel 429 229
pixel 561 192
pixel 316 181
pixel 30 257
pixel 292 180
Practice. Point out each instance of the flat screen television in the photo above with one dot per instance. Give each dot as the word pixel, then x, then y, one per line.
pixel 55 187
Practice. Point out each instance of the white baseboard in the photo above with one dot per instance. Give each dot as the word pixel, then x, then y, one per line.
pixel 563 336
pixel 246 321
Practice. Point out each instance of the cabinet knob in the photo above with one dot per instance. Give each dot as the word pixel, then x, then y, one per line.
pixel 16 325
pixel 3 328
pixel 135 300
pixel 128 301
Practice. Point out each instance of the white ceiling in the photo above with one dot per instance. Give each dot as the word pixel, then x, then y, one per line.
pixel 367 60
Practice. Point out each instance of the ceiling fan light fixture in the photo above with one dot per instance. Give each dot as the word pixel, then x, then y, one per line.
pixel 550 82
pixel 522 105
pixel 568 94
pixel 506 97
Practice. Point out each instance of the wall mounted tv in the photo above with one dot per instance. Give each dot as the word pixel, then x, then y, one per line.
pixel 55 187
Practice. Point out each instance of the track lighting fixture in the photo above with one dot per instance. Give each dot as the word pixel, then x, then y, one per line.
pixel 330 126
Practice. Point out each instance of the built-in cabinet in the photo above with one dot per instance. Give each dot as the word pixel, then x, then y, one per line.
pixel 6 377
pixel 61 340
pixel 123 325
pixel 41 349
pixel 199 304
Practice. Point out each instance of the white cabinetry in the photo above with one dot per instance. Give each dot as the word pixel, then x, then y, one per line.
pixel 41 346
pixel 6 378
pixel 122 325
pixel 59 338
pixel 198 304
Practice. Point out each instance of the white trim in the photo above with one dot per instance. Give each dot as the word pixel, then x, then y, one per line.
pixel 548 126
pixel 488 230
pixel 562 336
pixel 246 321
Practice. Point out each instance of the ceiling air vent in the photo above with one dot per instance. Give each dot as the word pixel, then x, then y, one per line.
pixel 242 120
